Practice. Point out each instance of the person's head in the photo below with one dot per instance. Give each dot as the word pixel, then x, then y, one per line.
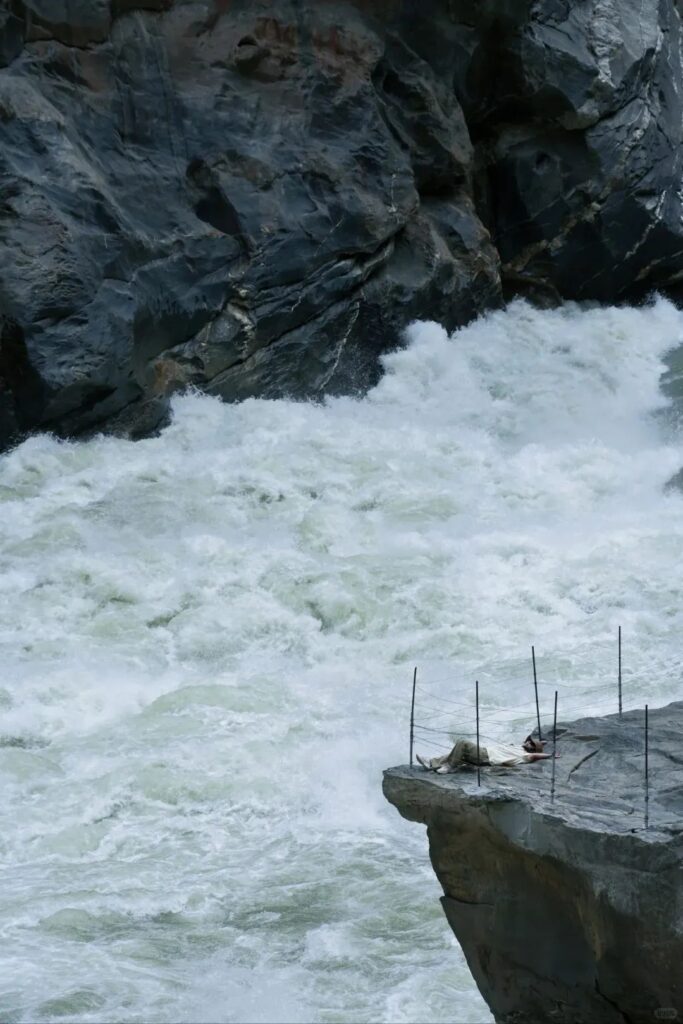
pixel 533 746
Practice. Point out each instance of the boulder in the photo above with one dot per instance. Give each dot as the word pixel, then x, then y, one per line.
pixel 254 198
pixel 568 909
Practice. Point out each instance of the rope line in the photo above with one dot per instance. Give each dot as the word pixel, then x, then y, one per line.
pixel 549 683
pixel 517 712
pixel 445 700
pixel 427 707
pixel 601 694
pixel 595 700
pixel 439 732
pixel 462 736
pixel 433 743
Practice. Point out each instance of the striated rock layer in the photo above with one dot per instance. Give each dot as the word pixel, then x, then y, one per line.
pixel 255 197
pixel 567 911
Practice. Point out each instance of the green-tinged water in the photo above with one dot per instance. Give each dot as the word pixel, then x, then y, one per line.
pixel 207 646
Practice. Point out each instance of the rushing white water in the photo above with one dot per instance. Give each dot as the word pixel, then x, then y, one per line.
pixel 207 648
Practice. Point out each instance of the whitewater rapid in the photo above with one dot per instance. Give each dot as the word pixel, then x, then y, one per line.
pixel 208 640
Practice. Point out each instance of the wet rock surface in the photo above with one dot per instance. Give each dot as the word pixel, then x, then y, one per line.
pixel 255 198
pixel 567 910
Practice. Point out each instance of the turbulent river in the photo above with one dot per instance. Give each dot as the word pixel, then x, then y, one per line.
pixel 208 640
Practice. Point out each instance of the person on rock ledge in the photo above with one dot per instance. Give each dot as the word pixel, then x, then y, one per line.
pixel 499 755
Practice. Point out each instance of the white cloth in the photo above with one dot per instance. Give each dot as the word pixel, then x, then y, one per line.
pixel 504 754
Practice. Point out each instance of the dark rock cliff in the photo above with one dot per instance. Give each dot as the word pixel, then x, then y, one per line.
pixel 567 911
pixel 254 198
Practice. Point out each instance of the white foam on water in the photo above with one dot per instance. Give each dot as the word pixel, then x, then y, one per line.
pixel 207 647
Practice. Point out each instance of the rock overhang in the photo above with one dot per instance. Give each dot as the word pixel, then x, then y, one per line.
pixel 570 903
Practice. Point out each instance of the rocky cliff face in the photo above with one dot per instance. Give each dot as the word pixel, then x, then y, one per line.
pixel 254 197
pixel 567 911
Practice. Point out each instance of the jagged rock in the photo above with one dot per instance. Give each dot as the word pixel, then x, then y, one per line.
pixel 580 133
pixel 255 198
pixel 567 911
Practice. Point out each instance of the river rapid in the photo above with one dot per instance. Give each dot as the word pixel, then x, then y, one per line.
pixel 208 640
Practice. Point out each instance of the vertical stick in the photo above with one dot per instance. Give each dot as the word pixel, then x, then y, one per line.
pixel 552 784
pixel 647 778
pixel 412 716
pixel 538 713
pixel 476 697
pixel 619 670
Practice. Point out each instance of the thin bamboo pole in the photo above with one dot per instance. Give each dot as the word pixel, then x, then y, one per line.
pixel 552 784
pixel 619 670
pixel 538 713
pixel 412 716
pixel 647 772
pixel 476 698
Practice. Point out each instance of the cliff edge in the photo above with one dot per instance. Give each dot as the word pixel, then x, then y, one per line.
pixel 567 910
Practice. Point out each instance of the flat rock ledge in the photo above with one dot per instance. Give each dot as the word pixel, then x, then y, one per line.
pixel 566 910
